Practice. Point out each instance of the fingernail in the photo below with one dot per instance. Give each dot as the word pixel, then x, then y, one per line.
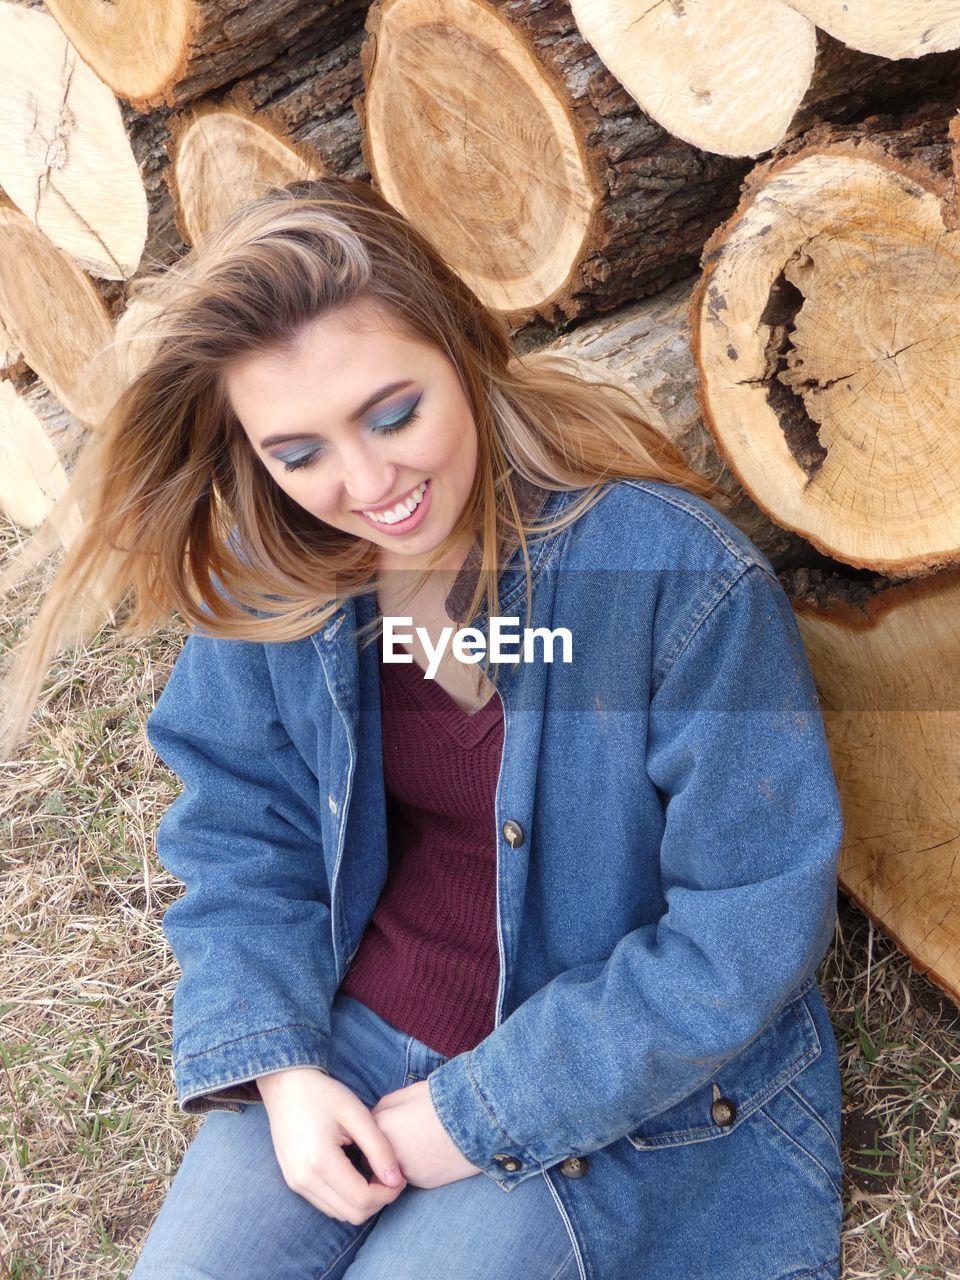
pixel 394 1175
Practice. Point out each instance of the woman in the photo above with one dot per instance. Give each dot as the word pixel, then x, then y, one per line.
pixel 508 970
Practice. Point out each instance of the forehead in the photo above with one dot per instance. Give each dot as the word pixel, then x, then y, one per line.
pixel 353 331
pixel 334 362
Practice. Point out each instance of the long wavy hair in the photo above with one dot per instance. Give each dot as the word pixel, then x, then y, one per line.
pixel 180 515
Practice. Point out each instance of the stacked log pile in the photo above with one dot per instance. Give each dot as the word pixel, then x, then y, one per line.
pixel 740 82
pixel 165 55
pixel 763 247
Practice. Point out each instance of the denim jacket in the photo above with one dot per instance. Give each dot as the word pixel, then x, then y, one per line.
pixel 667 826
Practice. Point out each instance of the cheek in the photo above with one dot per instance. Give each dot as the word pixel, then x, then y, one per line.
pixel 319 499
pixel 459 442
pixel 307 490
pixel 466 448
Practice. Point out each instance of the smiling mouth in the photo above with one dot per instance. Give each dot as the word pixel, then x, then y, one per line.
pixel 401 510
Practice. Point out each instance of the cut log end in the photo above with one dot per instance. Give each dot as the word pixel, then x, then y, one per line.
pixel 224 160
pixel 56 317
pixel 11 357
pixel 65 158
pixel 826 329
pixel 491 125
pixel 136 46
pixel 723 79
pixel 889 28
pixel 32 478
pixel 887 678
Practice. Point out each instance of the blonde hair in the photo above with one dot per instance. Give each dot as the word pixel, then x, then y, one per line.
pixel 181 516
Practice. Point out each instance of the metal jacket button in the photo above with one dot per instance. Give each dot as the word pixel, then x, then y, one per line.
pixel 513 833
pixel 510 1164
pixel 723 1111
pixel 574 1166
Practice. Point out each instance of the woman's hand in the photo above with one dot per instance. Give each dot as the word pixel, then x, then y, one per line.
pixel 427 1154
pixel 312 1118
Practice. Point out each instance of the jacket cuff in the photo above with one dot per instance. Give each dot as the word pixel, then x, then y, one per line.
pixel 225 1078
pixel 467 1115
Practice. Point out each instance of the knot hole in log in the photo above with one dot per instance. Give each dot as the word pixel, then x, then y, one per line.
pixel 800 431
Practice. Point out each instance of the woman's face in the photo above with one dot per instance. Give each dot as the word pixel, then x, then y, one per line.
pixel 359 420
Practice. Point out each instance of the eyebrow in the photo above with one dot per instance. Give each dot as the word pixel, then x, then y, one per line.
pixel 377 396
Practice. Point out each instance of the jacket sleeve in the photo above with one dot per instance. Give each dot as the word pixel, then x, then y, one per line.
pixel 737 751
pixel 251 931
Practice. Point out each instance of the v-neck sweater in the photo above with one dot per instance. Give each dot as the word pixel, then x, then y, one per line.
pixel 428 960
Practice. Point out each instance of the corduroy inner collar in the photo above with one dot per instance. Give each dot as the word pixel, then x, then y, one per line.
pixel 531 499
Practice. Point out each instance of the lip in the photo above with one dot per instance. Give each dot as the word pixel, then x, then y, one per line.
pixel 411 522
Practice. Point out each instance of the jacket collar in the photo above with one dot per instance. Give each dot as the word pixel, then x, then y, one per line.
pixel 532 500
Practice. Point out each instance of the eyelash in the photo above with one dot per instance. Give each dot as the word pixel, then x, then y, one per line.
pixel 396 426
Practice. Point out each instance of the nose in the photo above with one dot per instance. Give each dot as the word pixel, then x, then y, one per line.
pixel 368 480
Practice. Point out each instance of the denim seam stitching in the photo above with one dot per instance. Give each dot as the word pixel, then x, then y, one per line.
pixel 252 1035
pixel 228 1084
pixel 483 1102
pixel 575 1250
pixel 757 1101
pixel 754 1104
pixel 407 1073
pixel 365 1230
pixel 811 1112
pixel 563 1265
pixel 539 561
pixel 682 643
pixel 801 1148
pixel 808 1274
pixel 699 516
pixel 793 996
pixel 204 1094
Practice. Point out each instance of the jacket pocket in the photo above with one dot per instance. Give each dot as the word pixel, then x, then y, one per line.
pixel 803 1134
pixel 744 1084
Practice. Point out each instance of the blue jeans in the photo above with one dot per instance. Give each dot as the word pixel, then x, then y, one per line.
pixel 229 1215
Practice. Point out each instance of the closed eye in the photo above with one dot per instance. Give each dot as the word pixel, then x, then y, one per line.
pixel 306 455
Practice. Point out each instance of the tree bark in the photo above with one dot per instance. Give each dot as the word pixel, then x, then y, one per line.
pixel 167 54
pixel 153 146
pixel 291 120
pixel 738 79
pixel 499 133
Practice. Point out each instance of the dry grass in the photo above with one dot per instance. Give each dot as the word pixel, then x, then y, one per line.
pixel 89 1132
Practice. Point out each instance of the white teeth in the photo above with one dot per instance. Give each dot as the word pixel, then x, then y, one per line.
pixel 402 510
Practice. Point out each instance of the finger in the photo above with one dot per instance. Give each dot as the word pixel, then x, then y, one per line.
pixel 324 1198
pixel 322 1190
pixel 356 1205
pixel 377 1148
pixel 343 1176
pixel 395 1099
pixel 359 1160
pixel 315 1192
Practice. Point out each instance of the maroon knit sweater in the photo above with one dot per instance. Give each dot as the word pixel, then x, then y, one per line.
pixel 428 961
